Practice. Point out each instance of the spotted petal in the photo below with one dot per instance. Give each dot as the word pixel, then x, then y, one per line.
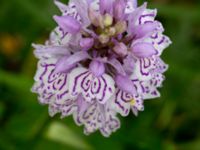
pixel 150 91
pixel 161 66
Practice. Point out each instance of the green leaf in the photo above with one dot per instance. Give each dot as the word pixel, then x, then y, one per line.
pixel 61 133
pixel 194 145
pixel 2 109
pixel 5 142
pixel 27 125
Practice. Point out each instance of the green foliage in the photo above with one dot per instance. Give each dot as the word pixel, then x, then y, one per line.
pixel 57 132
pixel 169 123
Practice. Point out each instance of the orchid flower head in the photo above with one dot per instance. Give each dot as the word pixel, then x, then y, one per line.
pixel 102 59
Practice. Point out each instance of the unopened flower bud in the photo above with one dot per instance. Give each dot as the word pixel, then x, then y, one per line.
pixel 108 20
pixel 96 18
pixel 112 31
pixel 121 27
pixel 120 49
pixel 103 38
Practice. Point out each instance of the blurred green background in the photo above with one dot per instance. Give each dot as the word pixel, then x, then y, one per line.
pixel 171 122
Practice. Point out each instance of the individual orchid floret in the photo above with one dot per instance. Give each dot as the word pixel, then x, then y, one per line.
pixel 103 59
pixel 127 97
pixel 92 83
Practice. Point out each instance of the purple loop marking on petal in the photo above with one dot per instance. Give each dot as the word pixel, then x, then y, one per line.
pixel 86 83
pixel 76 80
pixel 117 102
pixel 143 16
pixel 105 87
pixel 97 89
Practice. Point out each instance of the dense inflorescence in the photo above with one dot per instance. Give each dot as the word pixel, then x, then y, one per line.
pixel 101 60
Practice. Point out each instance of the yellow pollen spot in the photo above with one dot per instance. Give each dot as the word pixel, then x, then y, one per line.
pixel 132 102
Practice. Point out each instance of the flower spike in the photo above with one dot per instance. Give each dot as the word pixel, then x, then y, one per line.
pixel 103 59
